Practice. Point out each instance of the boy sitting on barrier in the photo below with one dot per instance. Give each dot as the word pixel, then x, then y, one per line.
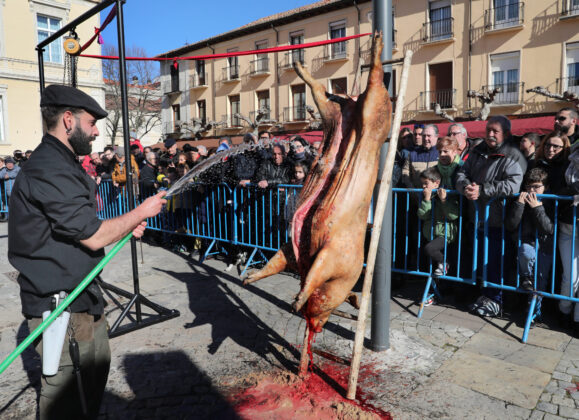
pixel 536 221
pixel 442 213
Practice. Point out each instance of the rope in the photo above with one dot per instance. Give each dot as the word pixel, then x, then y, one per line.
pixel 232 54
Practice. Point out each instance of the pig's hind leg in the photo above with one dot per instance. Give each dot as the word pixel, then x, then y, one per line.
pixel 284 258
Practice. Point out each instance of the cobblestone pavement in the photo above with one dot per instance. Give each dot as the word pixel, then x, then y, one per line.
pixel 448 364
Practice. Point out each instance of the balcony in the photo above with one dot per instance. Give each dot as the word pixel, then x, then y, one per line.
pixel 504 17
pixel 509 94
pixel 199 80
pixel 232 121
pixel 296 55
pixel 171 87
pixel 230 74
pixel 172 127
pixel 438 30
pixel 265 119
pixel 336 52
pixel 259 67
pixel 568 84
pixel 295 114
pixel 569 9
pixel 446 98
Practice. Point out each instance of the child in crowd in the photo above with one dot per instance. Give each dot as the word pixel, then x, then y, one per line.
pixel 439 209
pixel 300 173
pixel 536 222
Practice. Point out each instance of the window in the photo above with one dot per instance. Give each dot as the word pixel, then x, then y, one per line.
pixel 260 65
pixel 232 65
pixel 297 55
pixel 202 111
pixel 263 102
pixel 174 78
pixel 299 102
pixel 506 13
pixel 338 30
pixel 571 82
pixel 505 76
pixel 200 70
pixel 570 7
pixel 440 86
pixel 45 27
pixel 176 117
pixel 440 20
pixel 235 107
pixel 339 86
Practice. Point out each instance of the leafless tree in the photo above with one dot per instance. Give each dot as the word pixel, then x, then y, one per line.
pixel 144 94
pixel 566 96
pixel 486 99
pixel 439 111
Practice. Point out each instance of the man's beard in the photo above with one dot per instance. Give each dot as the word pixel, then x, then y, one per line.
pixel 563 128
pixel 80 142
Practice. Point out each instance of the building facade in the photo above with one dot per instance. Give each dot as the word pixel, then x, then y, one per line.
pixel 23 24
pixel 459 46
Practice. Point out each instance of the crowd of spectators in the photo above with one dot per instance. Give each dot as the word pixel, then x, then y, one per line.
pixel 488 171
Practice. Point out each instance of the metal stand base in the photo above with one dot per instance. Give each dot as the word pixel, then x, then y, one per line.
pixel 162 313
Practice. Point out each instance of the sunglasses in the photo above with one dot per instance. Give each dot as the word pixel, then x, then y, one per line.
pixel 418 126
pixel 561 118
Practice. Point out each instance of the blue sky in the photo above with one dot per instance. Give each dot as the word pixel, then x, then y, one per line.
pixel 160 26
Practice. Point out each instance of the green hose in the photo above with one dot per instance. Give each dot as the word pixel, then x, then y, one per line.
pixel 64 304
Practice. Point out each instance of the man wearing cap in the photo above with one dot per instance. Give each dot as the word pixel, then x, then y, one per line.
pixel 55 239
pixel 170 148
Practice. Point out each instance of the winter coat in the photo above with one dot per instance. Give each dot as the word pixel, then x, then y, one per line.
pixel 445 215
pixel 498 172
pixel 537 220
pixel 273 173
pixel 418 160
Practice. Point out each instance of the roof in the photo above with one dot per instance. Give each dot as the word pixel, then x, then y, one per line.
pixel 314 9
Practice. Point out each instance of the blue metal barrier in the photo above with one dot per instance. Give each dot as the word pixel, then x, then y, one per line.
pixel 259 219
pixel 5 189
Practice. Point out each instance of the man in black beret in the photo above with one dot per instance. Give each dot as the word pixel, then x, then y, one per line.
pixel 56 239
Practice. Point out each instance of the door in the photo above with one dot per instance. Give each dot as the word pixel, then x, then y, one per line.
pixel 441 91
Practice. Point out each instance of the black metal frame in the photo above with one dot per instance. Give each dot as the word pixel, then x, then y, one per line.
pixel 136 298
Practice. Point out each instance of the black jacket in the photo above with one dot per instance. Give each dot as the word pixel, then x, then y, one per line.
pixel 274 174
pixel 535 222
pixel 52 208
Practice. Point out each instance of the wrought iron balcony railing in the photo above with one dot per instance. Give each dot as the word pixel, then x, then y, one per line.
pixel 569 8
pixel 266 116
pixel 232 121
pixel 337 51
pixel 291 56
pixel 259 66
pixel 231 73
pixel 295 113
pixel 199 80
pixel 171 127
pixel 438 30
pixel 505 16
pixel 446 98
pixel 509 94
pixel 568 84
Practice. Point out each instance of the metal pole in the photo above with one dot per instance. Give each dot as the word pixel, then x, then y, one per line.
pixel 380 324
pixel 41 68
pixel 125 112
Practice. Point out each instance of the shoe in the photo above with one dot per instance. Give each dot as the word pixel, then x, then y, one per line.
pixel 489 308
pixel 229 267
pixel 429 301
pixel 441 270
pixel 474 306
pixel 527 284
pixel 241 258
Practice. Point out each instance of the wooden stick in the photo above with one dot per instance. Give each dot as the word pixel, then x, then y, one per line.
pixel 378 218
pixel 305 357
pixel 343 314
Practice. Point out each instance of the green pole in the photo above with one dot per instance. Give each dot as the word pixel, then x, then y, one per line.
pixel 64 304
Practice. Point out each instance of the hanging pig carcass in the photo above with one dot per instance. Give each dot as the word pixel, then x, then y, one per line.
pixel 329 225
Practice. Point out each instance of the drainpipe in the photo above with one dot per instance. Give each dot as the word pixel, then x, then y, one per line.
pixel 358 70
pixel 380 333
pixel 276 75
pixel 213 88
pixel 469 49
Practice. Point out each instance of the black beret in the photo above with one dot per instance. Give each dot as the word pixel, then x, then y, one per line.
pixel 60 95
pixel 170 142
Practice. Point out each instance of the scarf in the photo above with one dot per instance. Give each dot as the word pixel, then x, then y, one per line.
pixel 446 171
